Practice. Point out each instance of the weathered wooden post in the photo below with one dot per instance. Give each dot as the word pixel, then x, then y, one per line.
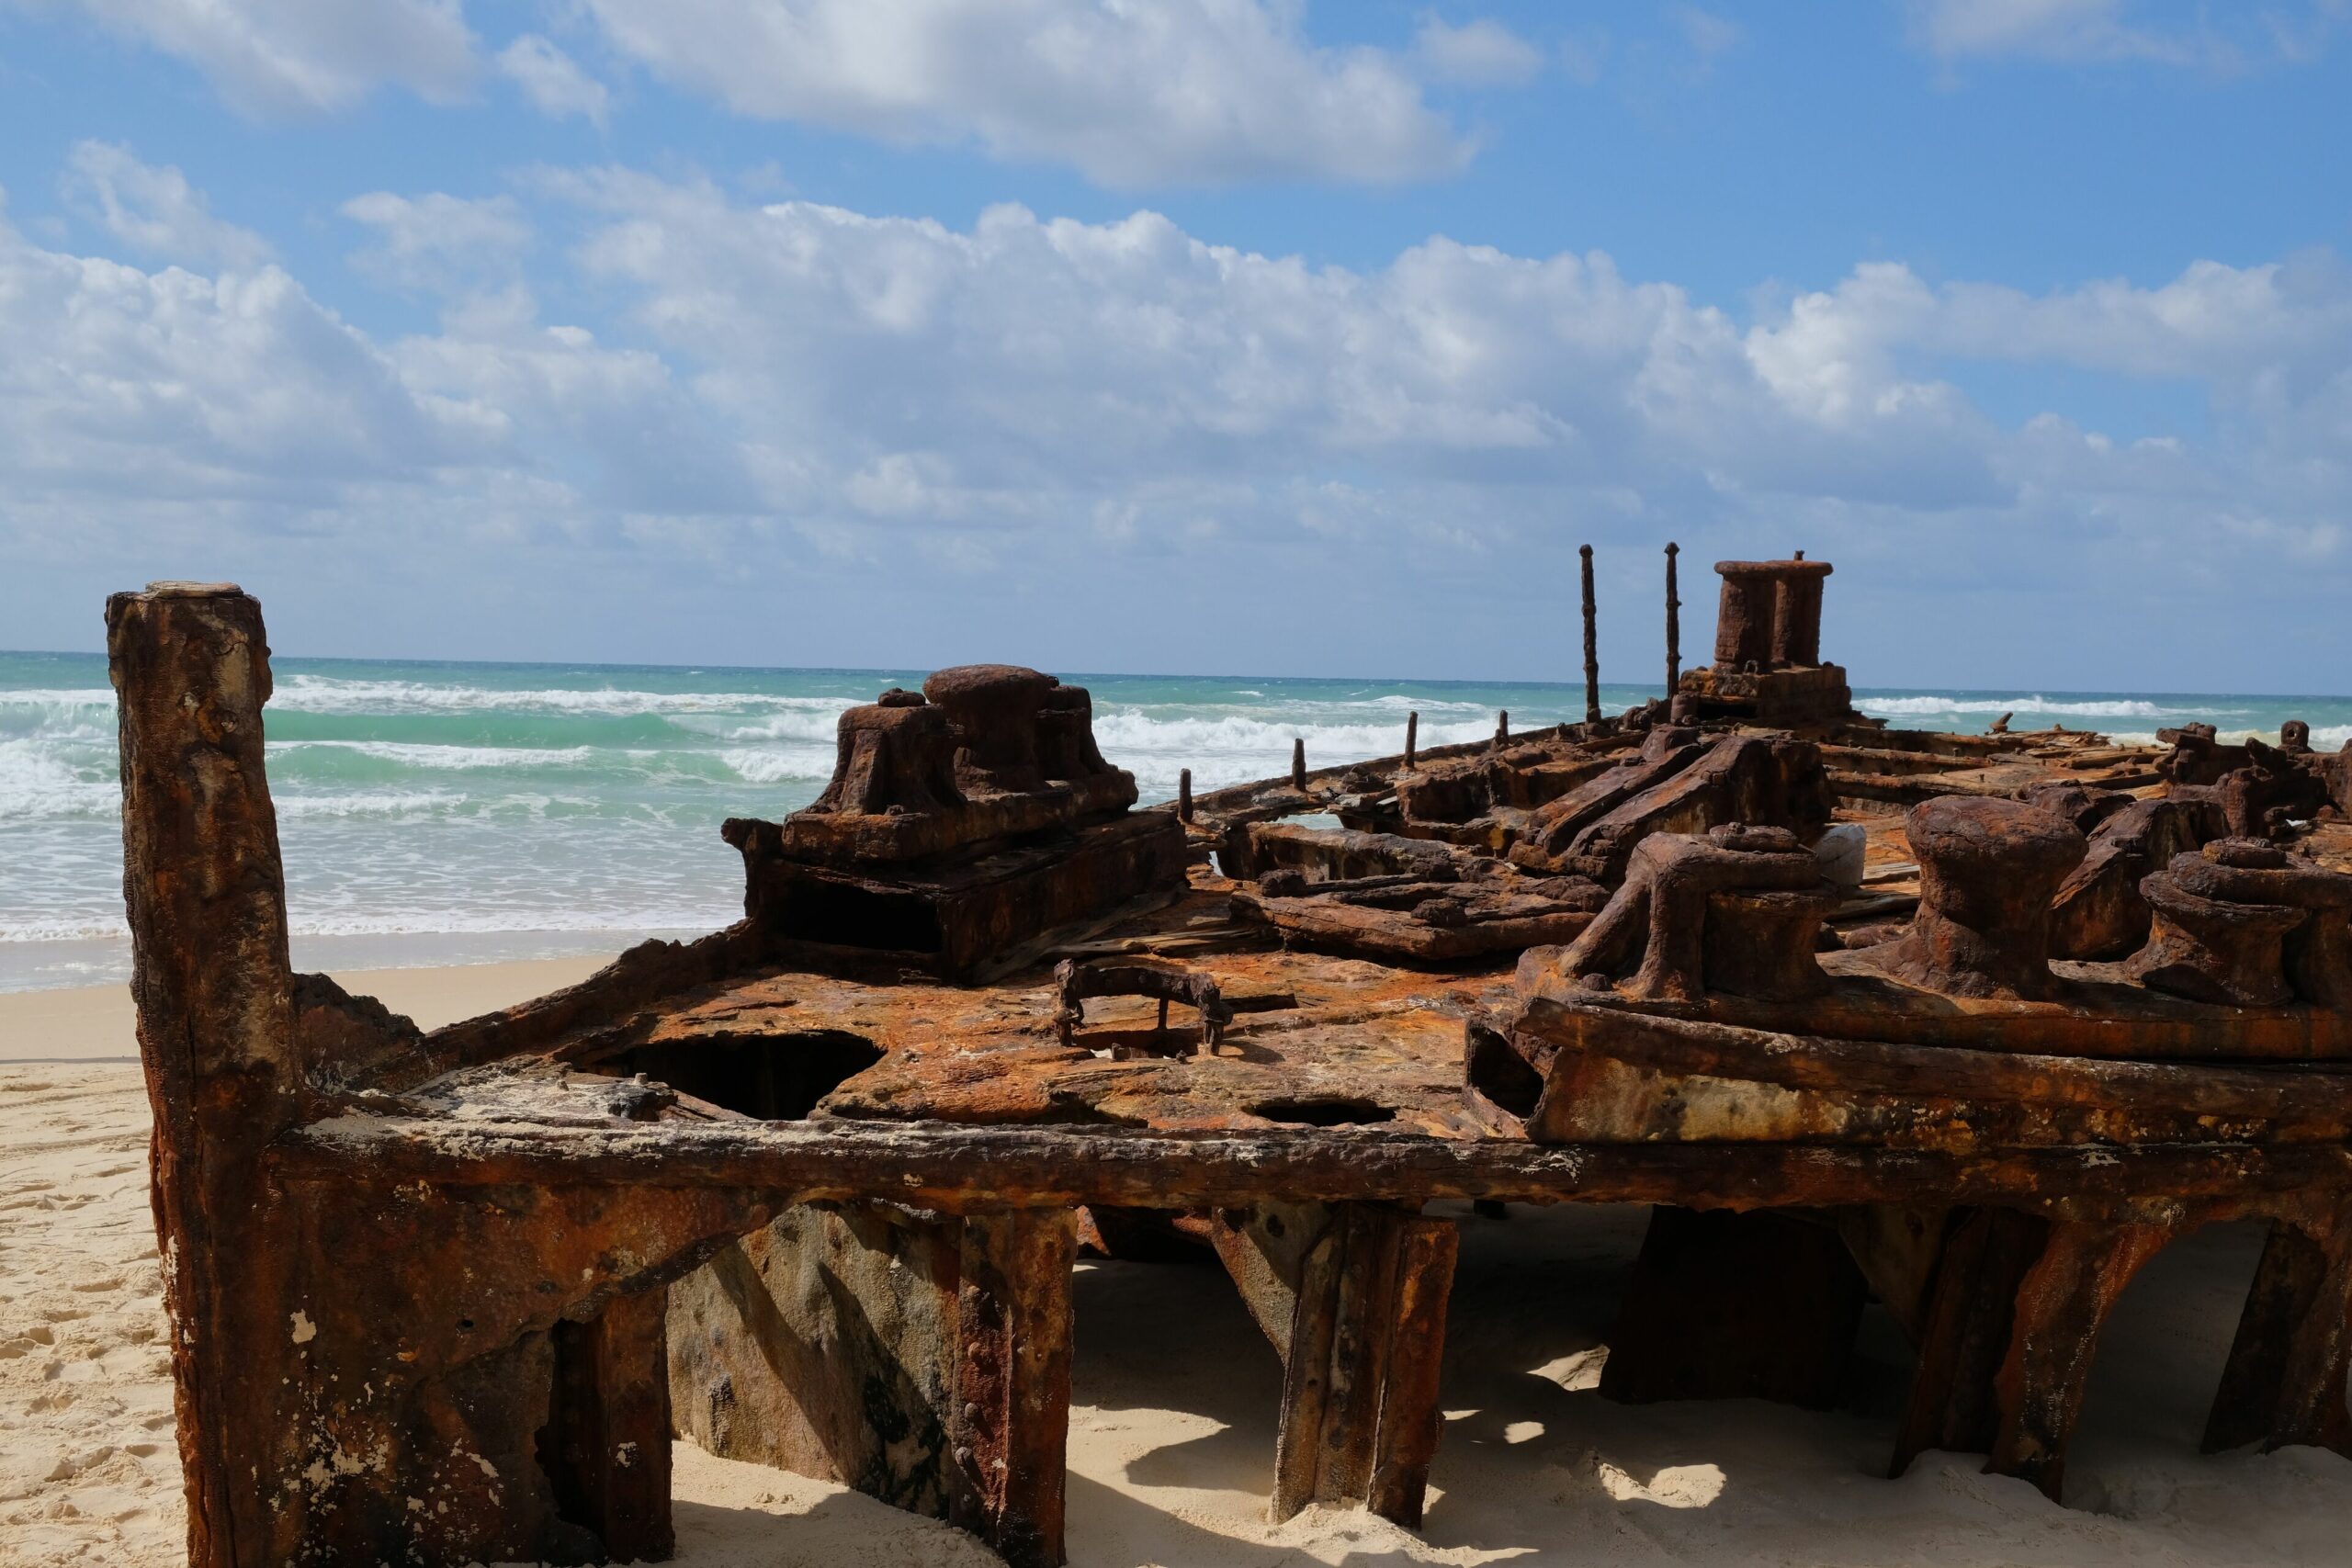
pixel 1412 736
pixel 206 897
pixel 1591 644
pixel 1673 624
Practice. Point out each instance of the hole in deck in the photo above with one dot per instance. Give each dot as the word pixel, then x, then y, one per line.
pixel 1323 1110
pixel 776 1077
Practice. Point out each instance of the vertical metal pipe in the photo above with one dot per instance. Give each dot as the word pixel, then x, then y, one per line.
pixel 1298 763
pixel 1591 645
pixel 1673 623
pixel 1502 727
pixel 1185 794
pixel 1412 736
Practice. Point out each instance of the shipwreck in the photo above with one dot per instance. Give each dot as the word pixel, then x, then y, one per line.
pixel 1971 1024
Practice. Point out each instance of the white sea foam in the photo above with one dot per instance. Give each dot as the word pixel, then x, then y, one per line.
pixel 37 781
pixel 820 725
pixel 457 759
pixel 91 929
pixel 1236 734
pixel 2103 707
pixel 321 694
pixel 374 803
pixel 779 766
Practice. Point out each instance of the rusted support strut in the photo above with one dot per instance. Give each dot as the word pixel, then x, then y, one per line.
pixel 922 1359
pixel 1353 1297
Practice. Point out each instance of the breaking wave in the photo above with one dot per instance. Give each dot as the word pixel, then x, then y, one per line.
pixel 486 801
pixel 2087 707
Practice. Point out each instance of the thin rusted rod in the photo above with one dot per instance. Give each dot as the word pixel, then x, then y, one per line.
pixel 1673 624
pixel 1591 644
pixel 1412 736
pixel 1298 763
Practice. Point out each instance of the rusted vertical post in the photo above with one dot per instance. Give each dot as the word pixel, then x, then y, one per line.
pixel 2062 1304
pixel 1011 1426
pixel 206 897
pixel 1673 624
pixel 923 1359
pixel 1502 727
pixel 1365 1336
pixel 2285 1379
pixel 1591 644
pixel 1412 735
pixel 1185 794
pixel 1298 763
pixel 607 1445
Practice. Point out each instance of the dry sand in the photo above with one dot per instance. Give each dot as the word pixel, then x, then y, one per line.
pixel 1172 1436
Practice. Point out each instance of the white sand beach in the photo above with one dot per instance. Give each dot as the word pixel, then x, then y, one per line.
pixel 1172 1438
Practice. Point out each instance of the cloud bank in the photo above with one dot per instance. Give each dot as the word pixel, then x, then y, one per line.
pixel 885 402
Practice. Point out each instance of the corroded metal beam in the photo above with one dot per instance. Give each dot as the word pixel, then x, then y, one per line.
pixel 961 1169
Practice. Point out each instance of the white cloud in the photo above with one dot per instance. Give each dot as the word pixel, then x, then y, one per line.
pixel 553 81
pixel 2096 31
pixel 152 209
pixel 442 243
pixel 2039 29
pixel 1710 35
pixel 281 56
pixel 1180 91
pixel 1481 52
pixel 125 392
pixel 885 402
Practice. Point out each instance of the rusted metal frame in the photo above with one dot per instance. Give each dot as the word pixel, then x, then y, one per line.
pixel 962 1169
pixel 1013 1380
pixel 206 900
pixel 1673 624
pixel 1354 1298
pixel 1235 802
pixel 607 1447
pixel 2062 1302
pixel 1965 1331
pixel 2096 1019
pixel 2011 1327
pixel 923 1359
pixel 524 1365
pixel 2285 1379
pixel 1592 642
pixel 2311 1101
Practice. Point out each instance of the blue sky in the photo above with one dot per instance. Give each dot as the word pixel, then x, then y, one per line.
pixel 1194 336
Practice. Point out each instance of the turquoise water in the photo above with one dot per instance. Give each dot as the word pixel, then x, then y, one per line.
pixel 449 813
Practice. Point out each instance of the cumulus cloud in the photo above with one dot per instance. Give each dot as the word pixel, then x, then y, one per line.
pixel 439 243
pixel 1481 52
pixel 125 390
pixel 889 400
pixel 553 81
pixel 1181 92
pixel 283 57
pixel 153 210
pixel 2090 31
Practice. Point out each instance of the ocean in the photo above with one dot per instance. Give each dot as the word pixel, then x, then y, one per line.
pixel 447 812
